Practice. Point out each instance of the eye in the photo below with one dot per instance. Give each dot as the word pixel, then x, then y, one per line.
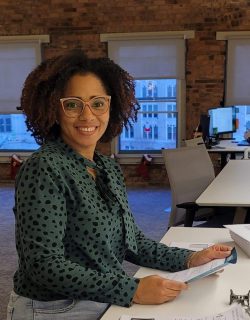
pixel 72 104
pixel 98 103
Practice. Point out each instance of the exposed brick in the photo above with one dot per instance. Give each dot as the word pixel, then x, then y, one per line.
pixel 78 23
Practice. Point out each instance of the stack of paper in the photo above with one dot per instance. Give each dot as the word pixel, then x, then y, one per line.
pixel 240 233
pixel 236 312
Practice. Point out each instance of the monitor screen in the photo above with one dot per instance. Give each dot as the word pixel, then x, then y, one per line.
pixel 222 120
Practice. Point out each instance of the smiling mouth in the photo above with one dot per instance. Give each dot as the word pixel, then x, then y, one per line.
pixel 86 129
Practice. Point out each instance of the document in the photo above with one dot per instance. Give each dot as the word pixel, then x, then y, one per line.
pixel 199 272
pixel 204 270
pixel 234 313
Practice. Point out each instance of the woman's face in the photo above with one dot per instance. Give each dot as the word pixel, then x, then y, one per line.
pixel 83 132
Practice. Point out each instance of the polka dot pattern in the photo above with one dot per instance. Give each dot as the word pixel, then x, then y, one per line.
pixel 73 233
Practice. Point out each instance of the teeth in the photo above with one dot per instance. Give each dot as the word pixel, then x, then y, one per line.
pixel 89 129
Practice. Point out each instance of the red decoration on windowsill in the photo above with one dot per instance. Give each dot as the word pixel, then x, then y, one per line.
pixel 143 168
pixel 15 164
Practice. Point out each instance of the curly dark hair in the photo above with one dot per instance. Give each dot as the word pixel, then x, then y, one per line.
pixel 46 84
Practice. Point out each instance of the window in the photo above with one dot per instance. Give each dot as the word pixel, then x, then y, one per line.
pixel 157 63
pixel 18 56
pixel 237 91
pixel 242 123
pixel 5 123
pixel 237 67
pixel 149 132
pixel 14 135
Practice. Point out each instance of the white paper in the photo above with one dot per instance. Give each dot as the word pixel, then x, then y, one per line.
pixel 243 230
pixel 195 246
pixel 236 312
pixel 198 272
pixel 195 273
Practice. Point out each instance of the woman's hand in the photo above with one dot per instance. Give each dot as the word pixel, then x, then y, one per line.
pixel 157 290
pixel 217 251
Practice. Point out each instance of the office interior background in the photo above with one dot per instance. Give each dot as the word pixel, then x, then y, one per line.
pixel 171 104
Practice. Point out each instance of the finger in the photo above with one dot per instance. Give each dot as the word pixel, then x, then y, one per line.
pixel 221 247
pixel 175 285
pixel 219 254
pixel 170 299
pixel 171 295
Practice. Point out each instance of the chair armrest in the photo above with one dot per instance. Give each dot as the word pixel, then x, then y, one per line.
pixel 191 208
pixel 188 205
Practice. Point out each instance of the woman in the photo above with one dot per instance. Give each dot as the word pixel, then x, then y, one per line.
pixel 74 227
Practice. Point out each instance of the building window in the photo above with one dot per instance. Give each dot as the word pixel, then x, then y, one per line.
pixel 157 62
pixel 18 57
pixel 237 78
pixel 155 132
pixel 5 123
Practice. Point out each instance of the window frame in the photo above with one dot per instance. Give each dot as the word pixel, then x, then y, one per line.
pixel 130 158
pixel 180 91
pixel 230 78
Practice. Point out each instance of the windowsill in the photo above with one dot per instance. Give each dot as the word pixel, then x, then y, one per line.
pixel 136 158
pixel 5 157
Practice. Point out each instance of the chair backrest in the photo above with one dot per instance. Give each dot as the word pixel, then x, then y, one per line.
pixel 194 142
pixel 190 170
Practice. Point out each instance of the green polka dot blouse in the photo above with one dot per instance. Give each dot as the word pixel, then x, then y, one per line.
pixel 73 232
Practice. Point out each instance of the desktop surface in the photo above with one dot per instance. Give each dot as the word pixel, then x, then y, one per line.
pixel 228 146
pixel 243 143
pixel 230 188
pixel 206 296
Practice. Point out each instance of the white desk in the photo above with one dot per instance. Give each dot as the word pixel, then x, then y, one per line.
pixel 205 296
pixel 230 188
pixel 225 148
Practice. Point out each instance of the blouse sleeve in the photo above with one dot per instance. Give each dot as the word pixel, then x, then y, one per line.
pixel 157 255
pixel 151 253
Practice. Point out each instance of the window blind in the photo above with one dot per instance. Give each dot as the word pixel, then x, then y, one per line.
pixel 19 55
pixel 152 58
pixel 16 62
pixel 238 72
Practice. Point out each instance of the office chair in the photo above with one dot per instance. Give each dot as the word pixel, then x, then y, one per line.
pixel 190 171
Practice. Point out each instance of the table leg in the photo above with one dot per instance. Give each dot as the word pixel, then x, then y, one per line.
pixel 240 215
pixel 223 159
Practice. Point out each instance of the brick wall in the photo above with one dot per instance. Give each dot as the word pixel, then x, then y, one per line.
pixel 78 23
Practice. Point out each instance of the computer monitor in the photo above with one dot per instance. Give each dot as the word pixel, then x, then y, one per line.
pixel 222 120
pixel 204 126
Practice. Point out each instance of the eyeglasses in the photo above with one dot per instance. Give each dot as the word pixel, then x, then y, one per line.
pixel 73 106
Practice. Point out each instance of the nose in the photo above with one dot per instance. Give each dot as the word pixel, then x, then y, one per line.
pixel 86 113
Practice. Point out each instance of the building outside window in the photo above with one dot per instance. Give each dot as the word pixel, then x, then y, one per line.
pixel 157 119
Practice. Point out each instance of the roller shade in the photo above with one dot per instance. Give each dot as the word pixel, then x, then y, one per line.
pixel 238 72
pixel 155 58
